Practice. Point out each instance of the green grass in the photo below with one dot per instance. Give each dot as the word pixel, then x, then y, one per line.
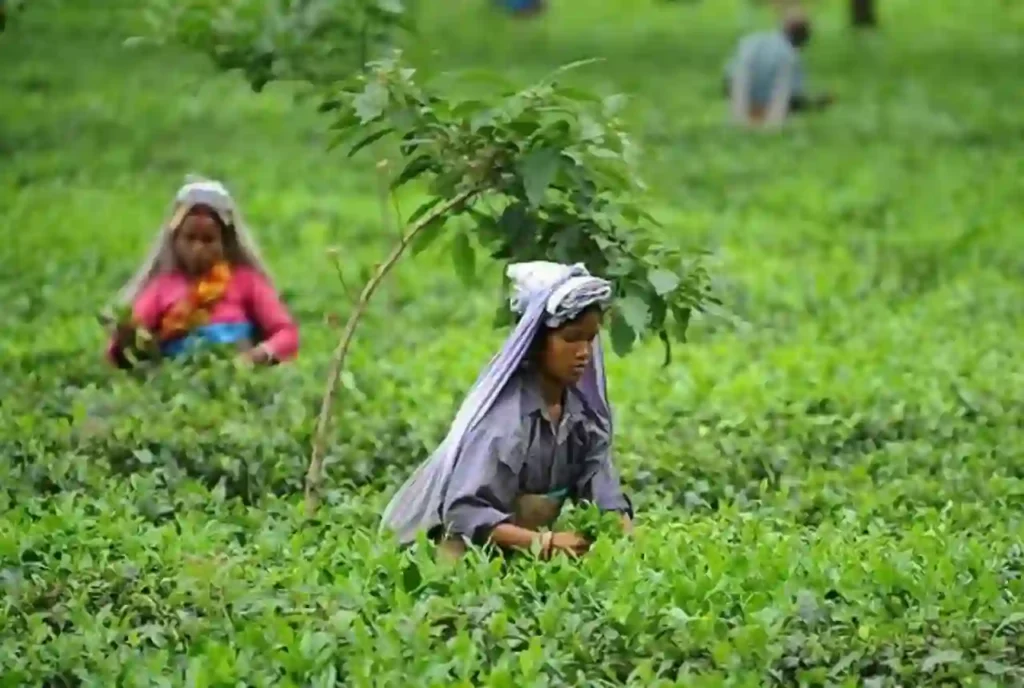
pixel 829 478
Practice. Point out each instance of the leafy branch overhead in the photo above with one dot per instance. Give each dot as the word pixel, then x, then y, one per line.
pixel 547 172
pixel 313 41
pixel 7 9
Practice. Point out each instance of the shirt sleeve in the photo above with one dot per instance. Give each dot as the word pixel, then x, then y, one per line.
pixel 281 334
pixel 147 313
pixel 599 481
pixel 483 485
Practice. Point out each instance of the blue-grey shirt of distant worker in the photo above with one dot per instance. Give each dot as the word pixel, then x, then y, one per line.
pixel 767 55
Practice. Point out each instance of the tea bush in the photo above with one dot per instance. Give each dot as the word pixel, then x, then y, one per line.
pixel 828 477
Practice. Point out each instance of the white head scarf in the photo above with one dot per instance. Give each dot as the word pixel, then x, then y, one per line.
pixel 569 288
pixel 196 191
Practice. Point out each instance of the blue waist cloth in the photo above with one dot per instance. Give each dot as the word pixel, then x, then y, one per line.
pixel 520 5
pixel 558 495
pixel 216 333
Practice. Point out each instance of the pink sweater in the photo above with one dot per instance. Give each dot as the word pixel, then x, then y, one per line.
pixel 249 298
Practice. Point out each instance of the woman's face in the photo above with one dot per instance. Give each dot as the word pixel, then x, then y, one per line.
pixel 567 350
pixel 199 241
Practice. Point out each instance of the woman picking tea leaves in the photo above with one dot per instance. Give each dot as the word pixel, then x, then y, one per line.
pixel 202 283
pixel 535 429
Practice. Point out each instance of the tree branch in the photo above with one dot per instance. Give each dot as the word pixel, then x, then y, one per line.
pixel 314 476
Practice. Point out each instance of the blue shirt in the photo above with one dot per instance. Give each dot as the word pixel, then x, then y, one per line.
pixel 766 56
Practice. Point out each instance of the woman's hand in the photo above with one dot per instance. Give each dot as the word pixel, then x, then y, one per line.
pixel 136 338
pixel 627 524
pixel 125 333
pixel 257 355
pixel 570 543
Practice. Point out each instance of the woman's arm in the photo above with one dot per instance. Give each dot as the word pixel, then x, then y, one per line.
pixel 598 480
pixel 483 488
pixel 269 314
pixel 146 314
pixel 511 536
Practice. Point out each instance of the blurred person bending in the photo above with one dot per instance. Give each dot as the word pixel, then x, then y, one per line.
pixel 765 77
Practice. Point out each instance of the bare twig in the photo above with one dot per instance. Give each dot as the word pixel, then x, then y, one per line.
pixel 333 255
pixel 397 208
pixel 314 476
pixel 382 196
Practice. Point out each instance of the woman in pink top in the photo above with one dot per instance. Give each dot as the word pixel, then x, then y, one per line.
pixel 203 281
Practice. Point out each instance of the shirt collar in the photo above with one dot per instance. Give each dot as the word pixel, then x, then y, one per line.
pixel 533 402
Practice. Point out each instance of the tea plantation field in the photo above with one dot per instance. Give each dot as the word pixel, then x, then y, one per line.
pixel 829 478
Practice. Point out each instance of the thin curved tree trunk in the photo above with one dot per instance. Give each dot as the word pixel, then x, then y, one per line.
pixel 314 476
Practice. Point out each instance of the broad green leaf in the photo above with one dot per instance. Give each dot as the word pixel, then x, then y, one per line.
pixel 614 104
pixel 371 103
pixel 372 138
pixel 592 130
pixel 663 281
pixel 622 335
pixel 503 316
pixel 411 577
pixel 681 322
pixel 1011 620
pixel 413 169
pixel 197 675
pixel 634 312
pixel 995 668
pixel 538 169
pixel 940 658
pixel 426 236
pixel 634 213
pixel 470 109
pixel 464 258
pixel 423 210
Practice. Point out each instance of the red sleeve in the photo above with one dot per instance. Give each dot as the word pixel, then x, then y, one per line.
pixel 147 312
pixel 281 335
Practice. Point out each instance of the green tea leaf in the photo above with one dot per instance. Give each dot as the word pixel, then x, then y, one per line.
pixel 614 104
pixel 940 658
pixel 423 210
pixel 370 104
pixel 426 236
pixel 372 138
pixel 681 322
pixel 464 258
pixel 412 579
pixel 634 312
pixel 663 281
pixel 413 169
pixel 538 169
pixel 623 336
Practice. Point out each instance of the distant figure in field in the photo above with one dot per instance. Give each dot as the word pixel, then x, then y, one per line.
pixel 523 8
pixel 202 282
pixel 534 430
pixel 765 77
